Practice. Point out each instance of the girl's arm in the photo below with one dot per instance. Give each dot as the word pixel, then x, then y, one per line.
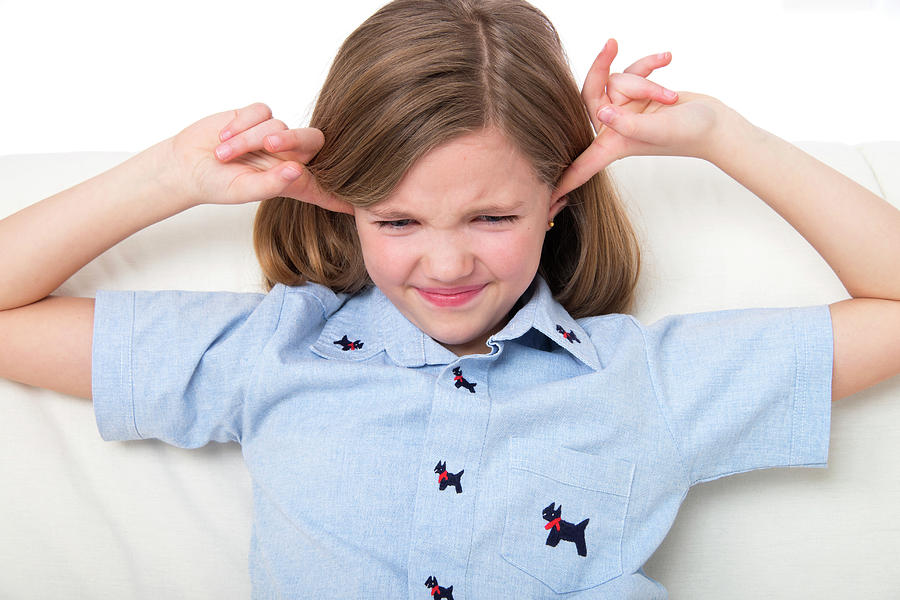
pixel 43 244
pixel 46 341
pixel 855 231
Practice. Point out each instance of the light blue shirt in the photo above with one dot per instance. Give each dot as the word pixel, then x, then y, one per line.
pixel 569 437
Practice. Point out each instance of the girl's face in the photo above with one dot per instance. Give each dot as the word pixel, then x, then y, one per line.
pixel 459 240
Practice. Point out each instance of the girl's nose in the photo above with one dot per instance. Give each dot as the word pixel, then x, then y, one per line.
pixel 448 259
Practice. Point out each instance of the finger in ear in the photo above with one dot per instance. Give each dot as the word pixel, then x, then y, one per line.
pixel 557 205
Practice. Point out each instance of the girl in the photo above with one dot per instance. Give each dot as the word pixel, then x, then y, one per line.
pixel 439 395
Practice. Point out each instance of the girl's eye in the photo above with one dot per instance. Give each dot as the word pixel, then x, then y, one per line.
pixel 501 219
pixel 398 224
pixel 403 223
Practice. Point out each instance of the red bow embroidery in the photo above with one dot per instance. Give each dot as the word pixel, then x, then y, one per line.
pixel 553 523
pixel 442 476
pixel 435 590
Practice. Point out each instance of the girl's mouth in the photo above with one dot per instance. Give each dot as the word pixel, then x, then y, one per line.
pixel 450 297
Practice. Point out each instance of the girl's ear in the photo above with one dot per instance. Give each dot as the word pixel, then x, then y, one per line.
pixel 557 205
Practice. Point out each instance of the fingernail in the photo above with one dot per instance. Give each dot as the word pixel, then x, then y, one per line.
pixel 662 55
pixel 273 141
pixel 225 135
pixel 290 173
pixel 606 114
pixel 669 94
pixel 223 151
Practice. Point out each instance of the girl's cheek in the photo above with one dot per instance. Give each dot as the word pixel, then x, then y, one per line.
pixel 513 251
pixel 389 255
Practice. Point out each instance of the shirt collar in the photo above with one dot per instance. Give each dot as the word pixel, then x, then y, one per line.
pixel 368 323
pixel 371 323
pixel 542 313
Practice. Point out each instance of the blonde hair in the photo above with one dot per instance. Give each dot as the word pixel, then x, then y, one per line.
pixel 417 74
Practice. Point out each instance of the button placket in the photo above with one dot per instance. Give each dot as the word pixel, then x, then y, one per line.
pixel 445 504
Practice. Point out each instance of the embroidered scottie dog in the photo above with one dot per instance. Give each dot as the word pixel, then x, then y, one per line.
pixel 563 530
pixel 346 344
pixel 436 591
pixel 461 382
pixel 569 335
pixel 445 478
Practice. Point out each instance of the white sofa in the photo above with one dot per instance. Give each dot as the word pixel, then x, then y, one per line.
pixel 81 518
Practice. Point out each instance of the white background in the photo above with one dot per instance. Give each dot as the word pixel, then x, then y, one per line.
pixel 118 75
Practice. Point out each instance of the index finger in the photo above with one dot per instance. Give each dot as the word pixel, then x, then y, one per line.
pixel 594 159
pixel 593 94
pixel 245 118
pixel 648 64
pixel 301 144
pixel 306 189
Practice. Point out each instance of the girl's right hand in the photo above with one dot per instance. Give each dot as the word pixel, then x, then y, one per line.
pixel 245 155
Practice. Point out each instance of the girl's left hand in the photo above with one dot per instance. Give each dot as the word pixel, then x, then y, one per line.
pixel 634 116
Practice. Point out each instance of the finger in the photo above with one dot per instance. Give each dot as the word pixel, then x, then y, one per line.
pixel 287 179
pixel 648 64
pixel 593 94
pixel 590 162
pixel 301 144
pixel 646 128
pixel 245 118
pixel 624 87
pixel 249 140
pixel 306 189
pixel 252 186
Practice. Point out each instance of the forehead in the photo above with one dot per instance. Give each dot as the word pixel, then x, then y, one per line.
pixel 481 167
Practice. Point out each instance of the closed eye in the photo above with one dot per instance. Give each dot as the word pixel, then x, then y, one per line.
pixel 498 219
pixel 396 224
pixel 404 223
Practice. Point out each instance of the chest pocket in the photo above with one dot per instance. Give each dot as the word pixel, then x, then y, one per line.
pixel 552 491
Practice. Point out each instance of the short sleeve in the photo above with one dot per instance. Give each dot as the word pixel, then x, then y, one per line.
pixel 176 366
pixel 744 389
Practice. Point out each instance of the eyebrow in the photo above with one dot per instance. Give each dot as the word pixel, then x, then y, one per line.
pixel 388 214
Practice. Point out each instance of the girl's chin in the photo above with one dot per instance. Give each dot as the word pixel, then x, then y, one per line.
pixel 461 343
pixel 471 347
